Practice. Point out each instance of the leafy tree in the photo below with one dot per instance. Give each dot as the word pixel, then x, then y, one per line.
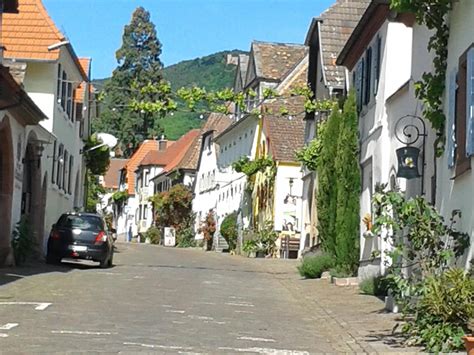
pixel 97 160
pixel 94 189
pixel 348 188
pixel 138 78
pixel 173 208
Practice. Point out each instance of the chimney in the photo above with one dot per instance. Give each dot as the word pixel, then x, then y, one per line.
pixel 162 143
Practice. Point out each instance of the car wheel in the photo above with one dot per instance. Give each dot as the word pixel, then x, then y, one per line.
pixel 105 263
pixel 52 259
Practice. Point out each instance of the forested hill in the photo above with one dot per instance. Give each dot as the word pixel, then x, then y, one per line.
pixel 211 72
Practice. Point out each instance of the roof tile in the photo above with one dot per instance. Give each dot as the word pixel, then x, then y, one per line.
pixel 29 33
pixel 275 60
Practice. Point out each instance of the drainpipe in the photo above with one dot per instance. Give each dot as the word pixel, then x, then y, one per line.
pixel 1 32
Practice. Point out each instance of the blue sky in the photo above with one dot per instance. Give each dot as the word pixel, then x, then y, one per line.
pixel 186 28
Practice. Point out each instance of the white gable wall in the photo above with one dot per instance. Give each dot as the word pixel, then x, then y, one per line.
pixel 377 150
pixel 456 192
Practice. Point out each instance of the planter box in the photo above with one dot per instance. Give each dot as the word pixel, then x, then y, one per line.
pixel 345 281
pixel 469 344
pixel 251 254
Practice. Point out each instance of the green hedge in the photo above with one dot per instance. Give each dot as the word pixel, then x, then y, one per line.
pixel 312 267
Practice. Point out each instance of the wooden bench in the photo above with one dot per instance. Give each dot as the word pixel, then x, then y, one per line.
pixel 289 247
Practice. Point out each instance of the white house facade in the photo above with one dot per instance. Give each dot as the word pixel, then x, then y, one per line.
pixel 455 176
pixel 50 73
pixel 387 108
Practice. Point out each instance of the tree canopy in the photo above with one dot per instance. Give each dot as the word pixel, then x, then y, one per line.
pixel 138 74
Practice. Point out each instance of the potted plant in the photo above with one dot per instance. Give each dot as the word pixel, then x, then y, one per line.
pixel 469 339
pixel 250 248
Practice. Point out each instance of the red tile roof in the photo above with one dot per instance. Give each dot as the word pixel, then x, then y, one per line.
pixel 86 67
pixel 286 133
pixel 157 157
pixel 135 159
pixel 179 150
pixel 28 34
pixel 112 176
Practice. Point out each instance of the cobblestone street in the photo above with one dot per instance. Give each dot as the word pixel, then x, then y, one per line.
pixel 185 301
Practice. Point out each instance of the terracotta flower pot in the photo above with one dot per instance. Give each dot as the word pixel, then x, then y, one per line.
pixel 469 344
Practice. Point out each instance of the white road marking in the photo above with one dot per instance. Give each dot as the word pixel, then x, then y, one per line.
pixel 3 335
pixel 138 277
pixel 178 322
pixel 257 339
pixel 266 351
pixel 207 303
pixel 215 322
pixel 247 312
pixel 236 297
pixel 211 283
pixel 40 306
pixel 240 304
pixel 157 346
pixel 80 332
pixel 9 326
pixel 175 311
pixel 200 317
pixel 167 306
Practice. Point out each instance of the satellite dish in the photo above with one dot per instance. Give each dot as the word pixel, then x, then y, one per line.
pixel 108 139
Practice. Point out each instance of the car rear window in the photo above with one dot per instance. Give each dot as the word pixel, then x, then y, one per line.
pixel 89 223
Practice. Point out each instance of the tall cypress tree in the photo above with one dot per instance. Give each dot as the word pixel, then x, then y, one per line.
pixel 326 177
pixel 139 65
pixel 348 188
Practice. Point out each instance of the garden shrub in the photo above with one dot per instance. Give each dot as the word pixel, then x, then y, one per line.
pixel 374 286
pixel 154 234
pixel 435 301
pixel 185 238
pixel 443 311
pixel 229 230
pixel 313 267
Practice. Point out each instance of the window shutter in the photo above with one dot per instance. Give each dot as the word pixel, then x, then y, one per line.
pixel 362 81
pixel 53 175
pixel 470 103
pixel 358 83
pixel 368 76
pixel 463 163
pixel 377 57
pixel 451 138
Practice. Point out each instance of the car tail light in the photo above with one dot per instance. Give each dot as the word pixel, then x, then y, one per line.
pixel 55 235
pixel 101 238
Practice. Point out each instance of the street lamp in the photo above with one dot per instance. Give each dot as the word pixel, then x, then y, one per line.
pixel 409 134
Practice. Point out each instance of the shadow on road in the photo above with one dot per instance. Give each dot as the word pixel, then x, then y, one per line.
pixel 158 266
pixel 37 267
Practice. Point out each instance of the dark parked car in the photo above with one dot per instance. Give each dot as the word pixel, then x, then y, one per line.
pixel 81 236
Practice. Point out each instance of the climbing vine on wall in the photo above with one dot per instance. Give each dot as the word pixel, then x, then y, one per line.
pixel 251 167
pixel 434 15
